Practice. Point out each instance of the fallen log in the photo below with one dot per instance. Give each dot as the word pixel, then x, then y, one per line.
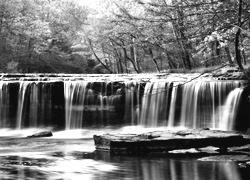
pixel 164 141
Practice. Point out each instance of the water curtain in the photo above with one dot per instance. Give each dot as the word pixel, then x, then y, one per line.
pixel 197 104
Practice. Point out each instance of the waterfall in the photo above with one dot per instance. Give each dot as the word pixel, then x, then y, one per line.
pixel 190 105
pixel 34 104
pixel 200 99
pixel 229 110
pixel 132 101
pixel 4 104
pixel 21 103
pixel 171 117
pixel 154 103
pixel 75 94
pixel 85 103
pixel 74 104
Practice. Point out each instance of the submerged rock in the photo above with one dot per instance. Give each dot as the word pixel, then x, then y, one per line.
pixel 241 149
pixel 245 165
pixel 41 134
pixel 234 158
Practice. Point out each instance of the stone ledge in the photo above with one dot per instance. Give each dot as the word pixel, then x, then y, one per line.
pixel 164 141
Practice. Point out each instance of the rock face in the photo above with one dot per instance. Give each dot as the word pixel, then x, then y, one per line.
pixel 229 73
pixel 41 134
pixel 164 141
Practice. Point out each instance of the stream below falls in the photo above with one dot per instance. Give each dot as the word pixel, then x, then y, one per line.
pixel 71 155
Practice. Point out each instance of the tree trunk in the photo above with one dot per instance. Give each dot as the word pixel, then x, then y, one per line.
pixel 237 49
pixel 181 39
pixel 98 59
pixel 131 60
pixel 229 55
pixel 237 37
pixel 133 51
pixel 117 57
pixel 171 64
pixel 244 56
pixel 120 62
pixel 154 60
pixel 125 61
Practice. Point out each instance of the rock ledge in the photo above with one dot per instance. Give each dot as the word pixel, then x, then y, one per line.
pixel 164 141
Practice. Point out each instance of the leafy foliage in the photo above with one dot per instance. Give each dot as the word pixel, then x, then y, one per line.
pixel 37 36
pixel 129 36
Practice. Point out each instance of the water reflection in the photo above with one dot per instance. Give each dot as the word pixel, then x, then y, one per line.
pixel 173 169
pixel 72 159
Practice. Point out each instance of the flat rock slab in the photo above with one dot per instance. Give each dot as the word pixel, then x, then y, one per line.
pixel 164 141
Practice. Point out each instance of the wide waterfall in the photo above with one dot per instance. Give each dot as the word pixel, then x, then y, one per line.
pixel 66 103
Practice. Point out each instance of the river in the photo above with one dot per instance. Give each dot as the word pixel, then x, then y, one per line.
pixel 71 155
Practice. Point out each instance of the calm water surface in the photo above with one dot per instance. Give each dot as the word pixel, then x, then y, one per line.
pixel 73 156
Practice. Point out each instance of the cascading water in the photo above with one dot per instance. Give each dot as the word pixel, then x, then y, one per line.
pixel 155 103
pixel 24 104
pixel 21 103
pixel 229 110
pixel 34 104
pixel 189 105
pixel 76 104
pixel 132 98
pixel 84 103
pixel 171 117
pixel 75 94
pixel 4 104
pixel 199 101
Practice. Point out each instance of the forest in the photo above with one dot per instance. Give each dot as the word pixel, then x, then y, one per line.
pixel 128 36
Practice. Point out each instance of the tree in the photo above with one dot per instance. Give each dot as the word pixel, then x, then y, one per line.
pixel 36 33
pixel 130 36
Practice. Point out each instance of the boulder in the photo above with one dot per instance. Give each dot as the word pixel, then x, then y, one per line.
pixel 41 134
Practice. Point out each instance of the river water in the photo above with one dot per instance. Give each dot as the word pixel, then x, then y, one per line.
pixel 71 155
